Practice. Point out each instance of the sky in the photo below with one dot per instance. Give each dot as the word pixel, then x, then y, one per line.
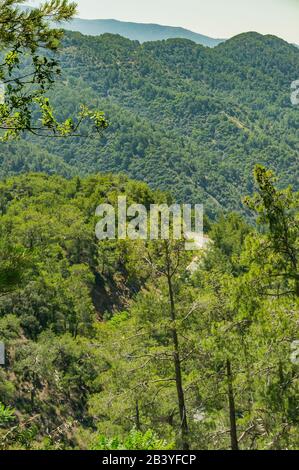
pixel 215 18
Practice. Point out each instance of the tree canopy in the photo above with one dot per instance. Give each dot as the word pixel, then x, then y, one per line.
pixel 115 344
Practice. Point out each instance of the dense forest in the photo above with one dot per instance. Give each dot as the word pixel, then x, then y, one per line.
pixel 183 118
pixel 142 344
pixel 95 331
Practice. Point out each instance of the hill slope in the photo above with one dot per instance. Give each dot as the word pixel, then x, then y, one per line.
pixel 183 118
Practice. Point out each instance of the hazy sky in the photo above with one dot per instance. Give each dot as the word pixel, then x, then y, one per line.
pixel 216 18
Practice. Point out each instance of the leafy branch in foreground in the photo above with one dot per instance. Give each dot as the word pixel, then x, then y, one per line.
pixel 29 67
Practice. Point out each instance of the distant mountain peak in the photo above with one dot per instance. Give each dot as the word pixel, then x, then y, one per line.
pixel 142 32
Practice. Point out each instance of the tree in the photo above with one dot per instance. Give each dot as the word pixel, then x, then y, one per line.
pixel 168 266
pixel 277 212
pixel 150 350
pixel 13 262
pixel 29 44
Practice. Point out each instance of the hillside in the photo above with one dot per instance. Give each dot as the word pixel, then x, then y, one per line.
pixel 183 118
pixel 89 336
pixel 118 332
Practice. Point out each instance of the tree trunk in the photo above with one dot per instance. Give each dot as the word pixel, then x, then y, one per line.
pixel 178 371
pixel 232 409
pixel 138 424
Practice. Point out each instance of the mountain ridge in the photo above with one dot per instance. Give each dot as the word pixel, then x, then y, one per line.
pixel 142 32
pixel 184 118
pixel 135 31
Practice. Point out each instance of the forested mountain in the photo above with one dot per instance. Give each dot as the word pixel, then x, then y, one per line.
pixel 141 32
pixel 183 117
pixel 140 344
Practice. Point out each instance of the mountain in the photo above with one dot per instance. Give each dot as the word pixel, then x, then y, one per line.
pixel 183 118
pixel 137 31
pixel 141 32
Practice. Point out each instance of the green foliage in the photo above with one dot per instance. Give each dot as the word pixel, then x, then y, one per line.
pixel 136 440
pixel 13 263
pixel 7 414
pixel 277 211
pixel 27 72
pixel 141 345
pixel 106 337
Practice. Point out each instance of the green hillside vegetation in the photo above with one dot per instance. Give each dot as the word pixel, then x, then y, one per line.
pixel 142 345
pixel 183 118
pixel 90 326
